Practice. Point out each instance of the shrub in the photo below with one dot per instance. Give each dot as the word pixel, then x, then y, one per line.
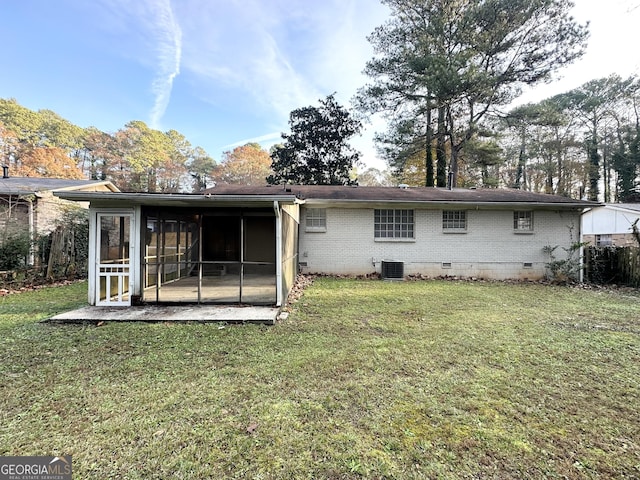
pixel 564 270
pixel 567 269
pixel 14 251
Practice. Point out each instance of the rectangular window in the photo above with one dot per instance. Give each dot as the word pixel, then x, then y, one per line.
pixel 604 240
pixel 523 221
pixel 316 220
pixel 393 223
pixel 454 220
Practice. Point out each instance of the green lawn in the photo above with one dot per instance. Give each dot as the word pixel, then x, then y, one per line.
pixel 366 379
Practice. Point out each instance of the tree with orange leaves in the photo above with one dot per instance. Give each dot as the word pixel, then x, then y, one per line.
pixel 52 162
pixel 249 164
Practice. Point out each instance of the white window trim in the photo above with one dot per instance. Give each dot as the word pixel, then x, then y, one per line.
pixel 394 238
pixel 316 228
pixel 609 240
pixel 522 231
pixel 454 230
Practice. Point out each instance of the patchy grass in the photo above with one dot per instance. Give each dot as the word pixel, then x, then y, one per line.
pixel 365 379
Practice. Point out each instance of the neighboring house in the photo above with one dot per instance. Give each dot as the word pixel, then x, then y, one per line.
pixel 28 205
pixel 611 224
pixel 235 244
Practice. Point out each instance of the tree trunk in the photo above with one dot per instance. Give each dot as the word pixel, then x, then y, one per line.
pixel 429 151
pixel 455 149
pixel 561 189
pixel 594 169
pixel 606 168
pixel 520 171
pixel 441 155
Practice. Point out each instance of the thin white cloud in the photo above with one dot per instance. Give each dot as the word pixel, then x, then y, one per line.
pixel 169 50
pixel 268 139
pixel 263 59
pixel 154 39
pixel 245 48
pixel 253 48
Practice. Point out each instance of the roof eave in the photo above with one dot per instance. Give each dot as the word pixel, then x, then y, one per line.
pixel 451 203
pixel 80 188
pixel 172 198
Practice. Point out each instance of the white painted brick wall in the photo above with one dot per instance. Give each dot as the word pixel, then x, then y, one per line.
pixel 489 248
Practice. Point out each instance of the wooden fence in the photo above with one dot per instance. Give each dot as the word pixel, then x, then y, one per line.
pixel 60 255
pixel 612 265
pixel 67 254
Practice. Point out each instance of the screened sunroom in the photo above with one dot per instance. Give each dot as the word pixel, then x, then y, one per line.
pixel 191 249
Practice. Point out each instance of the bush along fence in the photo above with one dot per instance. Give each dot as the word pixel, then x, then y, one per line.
pixel 612 265
pixel 61 254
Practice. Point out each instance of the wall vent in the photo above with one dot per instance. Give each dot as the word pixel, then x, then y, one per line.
pixel 392 270
pixel 446 264
pixel 527 265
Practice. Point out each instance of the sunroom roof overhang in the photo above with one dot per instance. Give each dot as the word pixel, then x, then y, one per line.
pixel 109 199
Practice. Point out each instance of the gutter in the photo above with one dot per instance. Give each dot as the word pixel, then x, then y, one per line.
pixel 438 203
pixel 172 198
pixel 32 233
pixel 199 199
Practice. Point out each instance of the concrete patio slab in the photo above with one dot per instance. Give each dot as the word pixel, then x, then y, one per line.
pixel 173 313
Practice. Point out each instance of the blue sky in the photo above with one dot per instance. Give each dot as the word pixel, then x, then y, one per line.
pixel 225 72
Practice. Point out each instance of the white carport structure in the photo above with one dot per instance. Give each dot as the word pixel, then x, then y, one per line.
pixel 610 224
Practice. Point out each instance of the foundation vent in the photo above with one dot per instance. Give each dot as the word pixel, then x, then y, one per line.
pixel 392 270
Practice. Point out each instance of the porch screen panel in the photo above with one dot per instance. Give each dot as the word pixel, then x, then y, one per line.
pixel 114 260
pixel 259 260
pixel 151 256
pixel 210 257
pixel 170 262
pixel 289 250
pixel 220 266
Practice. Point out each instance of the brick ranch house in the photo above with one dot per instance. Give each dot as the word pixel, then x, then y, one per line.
pixel 241 244
pixel 28 205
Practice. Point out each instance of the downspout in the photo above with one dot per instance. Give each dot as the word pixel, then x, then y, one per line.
pixel 136 247
pixel 32 233
pixel 276 209
pixel 581 240
pixel 200 252
pixel 242 247
pixel 94 282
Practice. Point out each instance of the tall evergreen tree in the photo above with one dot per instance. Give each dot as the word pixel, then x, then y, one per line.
pixel 316 151
pixel 464 57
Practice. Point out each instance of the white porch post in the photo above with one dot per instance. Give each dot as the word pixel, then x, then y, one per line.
pixel 135 279
pixel 93 254
pixel 276 208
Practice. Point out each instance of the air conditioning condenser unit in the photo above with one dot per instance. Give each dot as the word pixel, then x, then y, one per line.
pixel 392 270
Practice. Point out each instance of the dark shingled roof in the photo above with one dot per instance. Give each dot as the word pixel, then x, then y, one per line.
pixel 31 185
pixel 398 194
